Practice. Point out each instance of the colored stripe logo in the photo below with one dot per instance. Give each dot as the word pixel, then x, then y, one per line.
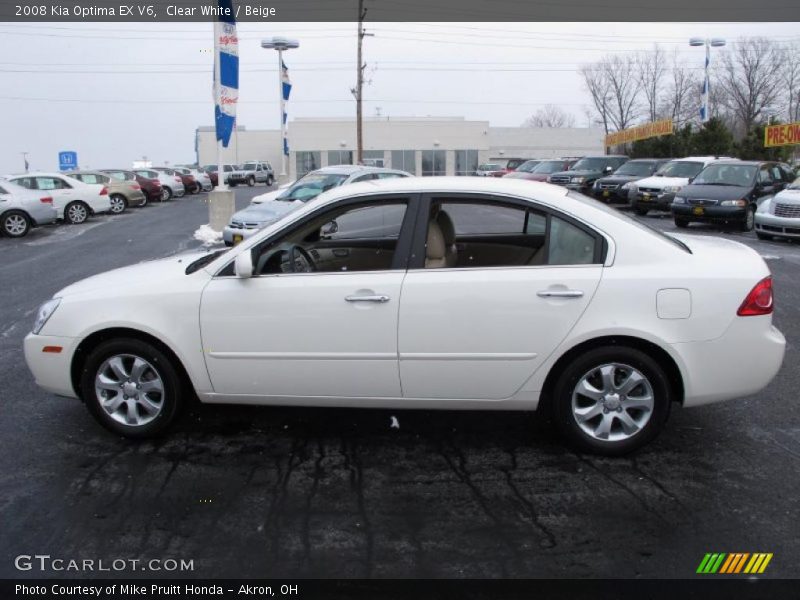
pixel 734 563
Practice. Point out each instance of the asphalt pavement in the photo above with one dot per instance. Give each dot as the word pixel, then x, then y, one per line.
pixel 277 492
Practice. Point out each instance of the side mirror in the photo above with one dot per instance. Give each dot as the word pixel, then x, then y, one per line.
pixel 243 265
pixel 609 169
pixel 329 228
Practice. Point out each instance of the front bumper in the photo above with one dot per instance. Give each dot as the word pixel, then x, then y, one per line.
pixel 234 235
pixel 51 370
pixel 709 213
pixel 238 178
pixel 584 188
pixel 777 226
pixel 660 201
pixel 616 195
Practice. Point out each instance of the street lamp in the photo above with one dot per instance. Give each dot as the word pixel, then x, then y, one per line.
pixel 281 44
pixel 708 43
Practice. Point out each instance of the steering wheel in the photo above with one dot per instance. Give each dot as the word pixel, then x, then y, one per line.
pixel 295 252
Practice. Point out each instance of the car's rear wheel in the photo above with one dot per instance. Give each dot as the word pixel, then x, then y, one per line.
pixel 270 180
pixel 15 224
pixel 76 213
pixel 764 236
pixel 131 387
pixel 118 204
pixel 611 400
pixel 749 219
pixel 681 223
pixel 166 193
pixel 196 188
pixel 251 181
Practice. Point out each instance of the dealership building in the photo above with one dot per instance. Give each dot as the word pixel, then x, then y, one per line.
pixel 419 145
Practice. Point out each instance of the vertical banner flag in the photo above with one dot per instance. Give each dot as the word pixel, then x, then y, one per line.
pixel 704 116
pixel 226 74
pixel 286 89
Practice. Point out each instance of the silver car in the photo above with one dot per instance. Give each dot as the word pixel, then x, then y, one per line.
pixel 201 177
pixel 21 209
pixel 246 222
pixel 779 216
pixel 171 184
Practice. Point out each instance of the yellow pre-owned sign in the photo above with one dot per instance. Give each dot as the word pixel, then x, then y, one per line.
pixel 640 132
pixel 782 135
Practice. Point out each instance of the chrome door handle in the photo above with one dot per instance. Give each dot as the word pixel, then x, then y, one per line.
pixel 560 294
pixel 373 298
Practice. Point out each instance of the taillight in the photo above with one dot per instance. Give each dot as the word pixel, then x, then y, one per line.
pixel 178 179
pixel 104 191
pixel 46 200
pixel 758 301
pixel 135 186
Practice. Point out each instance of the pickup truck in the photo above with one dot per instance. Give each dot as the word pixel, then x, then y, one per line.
pixel 251 173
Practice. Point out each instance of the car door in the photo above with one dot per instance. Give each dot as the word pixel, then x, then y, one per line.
pixel 330 332
pixel 478 322
pixel 765 184
pixel 60 191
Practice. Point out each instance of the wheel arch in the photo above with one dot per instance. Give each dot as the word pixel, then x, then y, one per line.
pixel 91 341
pixel 655 351
pixel 27 215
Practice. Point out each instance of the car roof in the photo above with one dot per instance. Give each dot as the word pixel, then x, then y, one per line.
pixel 353 169
pixel 42 174
pixel 753 163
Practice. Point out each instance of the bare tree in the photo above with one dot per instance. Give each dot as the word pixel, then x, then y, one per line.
pixel 650 69
pixel 791 77
pixel 613 85
pixel 681 100
pixel 750 80
pixel 595 81
pixel 550 116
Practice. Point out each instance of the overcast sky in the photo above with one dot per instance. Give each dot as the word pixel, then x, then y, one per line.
pixel 118 92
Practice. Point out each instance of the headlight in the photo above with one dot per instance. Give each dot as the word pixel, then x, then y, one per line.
pixel 671 189
pixel 733 203
pixel 679 200
pixel 577 179
pixel 45 311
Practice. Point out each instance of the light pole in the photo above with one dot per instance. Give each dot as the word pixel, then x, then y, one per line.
pixel 708 43
pixel 281 44
pixel 25 160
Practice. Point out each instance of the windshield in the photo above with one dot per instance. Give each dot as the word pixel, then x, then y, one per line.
pixel 680 168
pixel 549 166
pixel 229 167
pixel 795 185
pixel 724 174
pixel 249 166
pixel 636 169
pixel 527 167
pixel 311 186
pixel 590 164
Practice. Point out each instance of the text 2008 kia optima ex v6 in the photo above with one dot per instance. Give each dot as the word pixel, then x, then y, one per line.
pixel 445 293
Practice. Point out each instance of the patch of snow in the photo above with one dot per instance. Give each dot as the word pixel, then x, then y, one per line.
pixel 394 423
pixel 208 236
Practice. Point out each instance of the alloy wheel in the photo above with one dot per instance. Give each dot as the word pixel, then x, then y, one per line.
pixel 77 213
pixel 117 205
pixel 15 225
pixel 129 389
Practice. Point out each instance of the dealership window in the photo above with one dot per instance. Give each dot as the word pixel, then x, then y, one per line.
pixel 340 157
pixel 306 162
pixel 466 162
pixel 373 158
pixel 405 160
pixel 484 233
pixel 434 163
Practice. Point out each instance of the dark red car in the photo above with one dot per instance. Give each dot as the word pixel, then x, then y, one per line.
pixel 511 165
pixel 151 187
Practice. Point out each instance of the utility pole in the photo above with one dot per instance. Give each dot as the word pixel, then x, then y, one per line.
pixel 362 13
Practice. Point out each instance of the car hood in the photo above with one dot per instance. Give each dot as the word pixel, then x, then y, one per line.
pixel 715 192
pixel 152 271
pixel 266 211
pixel 583 173
pixel 662 182
pixel 618 179
pixel 788 197
pixel 519 175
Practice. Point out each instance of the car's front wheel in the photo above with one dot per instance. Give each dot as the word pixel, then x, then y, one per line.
pixel 15 224
pixel 611 400
pixel 681 223
pixel 131 387
pixel 166 193
pixel 641 210
pixel 749 219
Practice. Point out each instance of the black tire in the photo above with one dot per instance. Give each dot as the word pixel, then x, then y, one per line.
pixel 585 363
pixel 681 223
pixel 251 181
pixel 270 180
pixel 166 193
pixel 76 212
pixel 749 219
pixel 15 224
pixel 170 400
pixel 641 210
pixel 196 189
pixel 118 204
pixel 764 236
pixel 231 184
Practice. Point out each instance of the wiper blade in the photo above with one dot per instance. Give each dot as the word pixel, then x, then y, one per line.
pixel 203 261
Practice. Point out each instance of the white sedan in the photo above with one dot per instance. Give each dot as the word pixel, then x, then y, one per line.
pixel 440 293
pixel 74 200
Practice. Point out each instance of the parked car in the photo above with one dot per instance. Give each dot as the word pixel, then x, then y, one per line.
pixel 171 185
pixel 188 181
pixel 729 192
pixel 151 188
pixel 246 222
pixel 586 171
pixel 614 188
pixel 490 170
pixel 213 175
pixel 22 209
pixel 544 169
pixel 439 292
pixel 657 192
pixel 512 164
pixel 201 178
pixel 251 173
pixel 74 200
pixel 523 170
pixel 121 194
pixel 779 216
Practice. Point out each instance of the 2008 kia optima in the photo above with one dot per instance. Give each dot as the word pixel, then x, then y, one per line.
pixel 440 293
